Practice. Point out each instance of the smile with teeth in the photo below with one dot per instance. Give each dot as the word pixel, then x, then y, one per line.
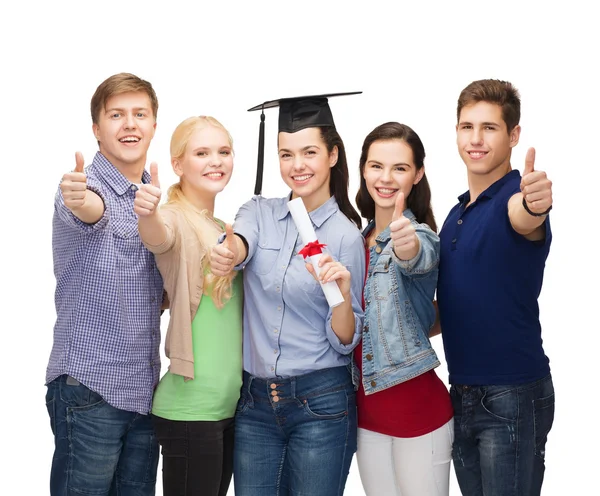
pixel 214 175
pixel 477 154
pixel 302 178
pixel 129 139
pixel 386 192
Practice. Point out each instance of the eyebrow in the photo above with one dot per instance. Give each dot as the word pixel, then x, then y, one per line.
pixel 116 109
pixel 302 150
pixel 199 148
pixel 467 123
pixel 393 165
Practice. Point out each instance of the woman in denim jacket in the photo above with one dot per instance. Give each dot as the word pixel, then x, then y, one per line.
pixel 404 412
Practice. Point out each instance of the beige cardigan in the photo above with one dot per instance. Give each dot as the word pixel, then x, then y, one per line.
pixel 179 259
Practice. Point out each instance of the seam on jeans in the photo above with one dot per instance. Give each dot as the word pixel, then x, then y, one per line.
pixel 280 471
pixel 341 474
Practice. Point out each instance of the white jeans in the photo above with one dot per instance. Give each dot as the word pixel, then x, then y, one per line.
pixel 413 466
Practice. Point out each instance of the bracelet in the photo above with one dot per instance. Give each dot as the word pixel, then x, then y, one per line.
pixel 533 213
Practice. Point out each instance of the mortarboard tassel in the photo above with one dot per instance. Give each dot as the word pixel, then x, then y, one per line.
pixel 261 155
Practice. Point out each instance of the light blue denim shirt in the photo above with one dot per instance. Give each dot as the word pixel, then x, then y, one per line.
pixel 398 310
pixel 287 320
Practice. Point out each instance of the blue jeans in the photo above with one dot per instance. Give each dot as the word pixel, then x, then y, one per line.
pixel 99 450
pixel 296 435
pixel 500 436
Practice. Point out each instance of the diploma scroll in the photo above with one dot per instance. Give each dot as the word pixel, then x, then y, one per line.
pixel 312 248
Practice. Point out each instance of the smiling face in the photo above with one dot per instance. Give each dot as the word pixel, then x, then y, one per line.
pixel 305 165
pixel 483 140
pixel 207 163
pixel 389 169
pixel 125 129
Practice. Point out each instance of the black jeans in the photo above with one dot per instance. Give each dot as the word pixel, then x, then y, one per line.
pixel 197 456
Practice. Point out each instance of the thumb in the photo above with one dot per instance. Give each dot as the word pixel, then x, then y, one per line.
pixel 229 239
pixel 529 161
pixel 398 211
pixel 78 162
pixel 154 175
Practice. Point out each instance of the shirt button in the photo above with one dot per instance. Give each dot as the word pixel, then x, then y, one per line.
pixel 275 331
pixel 459 221
pixel 369 357
pixel 373 384
pixel 366 329
pixel 378 249
pixel 133 187
pixel 272 369
pixel 275 352
pixel 279 308
pixel 454 240
pixel 278 289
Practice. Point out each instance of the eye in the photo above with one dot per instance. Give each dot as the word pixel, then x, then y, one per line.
pixel 115 115
pixel 201 154
pixel 489 128
pixel 466 126
pixel 140 115
pixel 225 152
pixel 284 156
pixel 375 166
pixel 311 152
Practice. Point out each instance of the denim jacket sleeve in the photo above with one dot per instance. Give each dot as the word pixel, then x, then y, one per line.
pixel 428 256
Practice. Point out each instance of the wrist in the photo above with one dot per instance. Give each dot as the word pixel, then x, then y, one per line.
pixel 535 214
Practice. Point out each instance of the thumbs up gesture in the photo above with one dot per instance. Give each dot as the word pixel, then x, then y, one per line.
pixel 404 236
pixel 148 196
pixel 74 185
pixel 224 255
pixel 535 186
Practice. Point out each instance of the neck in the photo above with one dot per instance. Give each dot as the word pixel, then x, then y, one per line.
pixel 383 217
pixel 200 200
pixel 312 202
pixel 478 183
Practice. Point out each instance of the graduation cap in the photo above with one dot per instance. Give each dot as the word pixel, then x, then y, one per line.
pixel 295 114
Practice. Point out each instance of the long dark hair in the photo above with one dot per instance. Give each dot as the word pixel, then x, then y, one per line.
pixel 339 180
pixel 419 199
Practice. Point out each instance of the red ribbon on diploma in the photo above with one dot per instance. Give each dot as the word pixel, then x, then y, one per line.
pixel 312 248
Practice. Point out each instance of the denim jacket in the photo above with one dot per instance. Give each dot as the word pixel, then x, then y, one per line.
pixel 399 310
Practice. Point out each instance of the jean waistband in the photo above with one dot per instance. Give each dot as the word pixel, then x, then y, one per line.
pixel 306 385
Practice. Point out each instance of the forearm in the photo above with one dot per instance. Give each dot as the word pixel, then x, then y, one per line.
pixel 152 229
pixel 343 322
pixel 521 221
pixel 92 210
pixel 242 250
pixel 437 327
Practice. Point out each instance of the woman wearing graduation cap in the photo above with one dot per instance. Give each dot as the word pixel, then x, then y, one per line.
pixel 296 418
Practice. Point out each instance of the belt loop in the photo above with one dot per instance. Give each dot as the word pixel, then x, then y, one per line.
pixel 293 387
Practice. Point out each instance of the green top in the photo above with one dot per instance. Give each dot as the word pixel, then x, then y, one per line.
pixel 217 340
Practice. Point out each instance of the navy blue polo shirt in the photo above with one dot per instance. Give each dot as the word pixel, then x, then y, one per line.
pixel 490 278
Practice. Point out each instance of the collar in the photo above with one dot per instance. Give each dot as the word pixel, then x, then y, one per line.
pixel 317 216
pixel 491 190
pixel 109 173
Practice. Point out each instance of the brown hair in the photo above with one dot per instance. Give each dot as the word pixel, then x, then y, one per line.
pixel 501 93
pixel 419 199
pixel 116 85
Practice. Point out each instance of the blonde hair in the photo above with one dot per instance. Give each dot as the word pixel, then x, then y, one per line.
pixel 201 222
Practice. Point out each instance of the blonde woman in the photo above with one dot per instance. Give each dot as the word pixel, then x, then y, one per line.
pixel 194 403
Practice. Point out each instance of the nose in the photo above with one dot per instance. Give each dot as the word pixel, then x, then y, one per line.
pixel 476 137
pixel 298 163
pixel 130 121
pixel 386 175
pixel 216 160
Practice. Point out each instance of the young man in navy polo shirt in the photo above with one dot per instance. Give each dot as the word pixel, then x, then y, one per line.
pixel 494 245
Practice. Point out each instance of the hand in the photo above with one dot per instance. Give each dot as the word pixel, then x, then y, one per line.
pixel 224 255
pixel 74 185
pixel 535 186
pixel 402 231
pixel 330 270
pixel 148 196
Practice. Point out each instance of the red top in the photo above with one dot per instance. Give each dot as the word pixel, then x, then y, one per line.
pixel 409 409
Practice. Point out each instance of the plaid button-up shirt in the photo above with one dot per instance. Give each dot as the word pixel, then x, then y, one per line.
pixel 108 296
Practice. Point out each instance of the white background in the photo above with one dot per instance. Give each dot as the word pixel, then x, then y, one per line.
pixel 411 60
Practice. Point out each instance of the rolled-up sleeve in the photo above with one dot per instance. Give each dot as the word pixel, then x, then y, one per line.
pixel 67 217
pixel 247 225
pixel 352 256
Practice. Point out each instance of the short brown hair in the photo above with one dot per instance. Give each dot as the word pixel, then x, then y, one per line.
pixel 501 93
pixel 117 84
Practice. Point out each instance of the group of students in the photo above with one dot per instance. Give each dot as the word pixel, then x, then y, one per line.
pixel 266 381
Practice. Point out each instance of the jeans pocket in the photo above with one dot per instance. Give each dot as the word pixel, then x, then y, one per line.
pixel 51 407
pixel 327 406
pixel 543 418
pixel 243 404
pixel 501 403
pixel 79 396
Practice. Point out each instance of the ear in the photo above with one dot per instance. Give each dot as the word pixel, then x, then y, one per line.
pixel 419 176
pixel 333 157
pixel 177 169
pixel 514 136
pixel 96 131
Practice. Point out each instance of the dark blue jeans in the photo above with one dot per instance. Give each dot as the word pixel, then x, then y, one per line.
pixel 500 437
pixel 98 449
pixel 295 436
